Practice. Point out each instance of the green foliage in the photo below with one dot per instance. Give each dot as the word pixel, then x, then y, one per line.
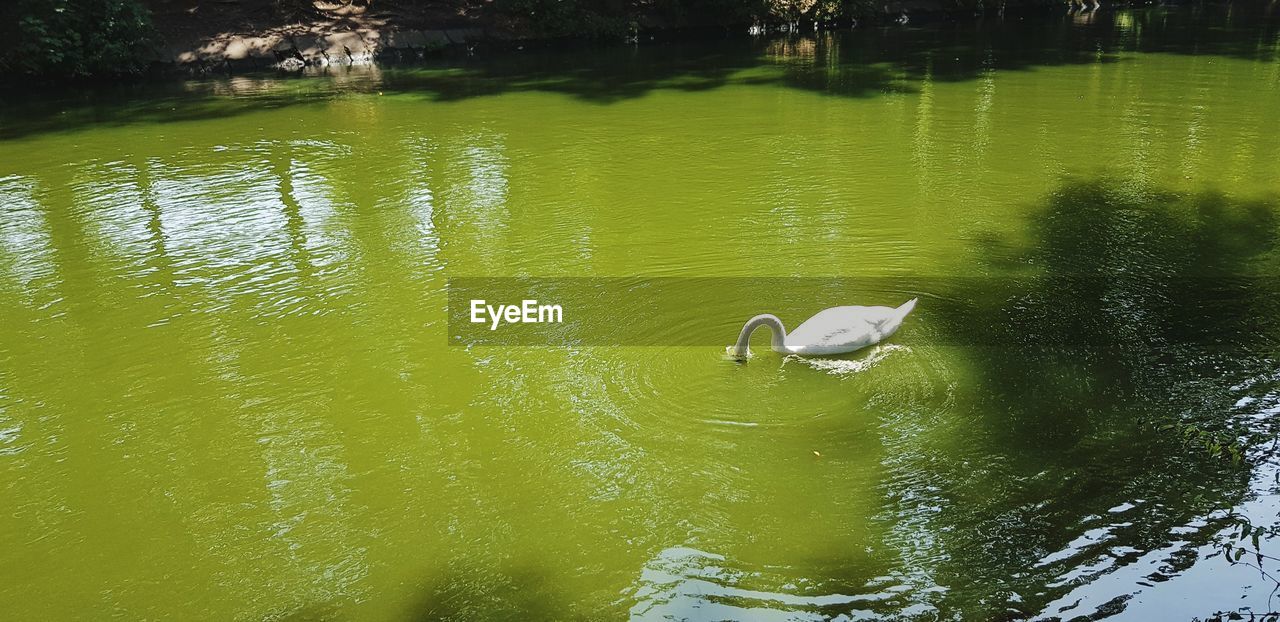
pixel 613 18
pixel 709 12
pixel 74 38
pixel 857 9
pixel 568 18
pixel 616 18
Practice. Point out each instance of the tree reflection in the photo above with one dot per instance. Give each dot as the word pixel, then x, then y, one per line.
pixel 1121 290
pixel 862 63
pixel 1128 315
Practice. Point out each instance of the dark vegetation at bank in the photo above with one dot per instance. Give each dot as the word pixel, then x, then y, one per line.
pixel 74 38
pixel 62 39
pixel 866 62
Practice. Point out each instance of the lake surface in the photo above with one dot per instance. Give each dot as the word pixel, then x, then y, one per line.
pixel 227 389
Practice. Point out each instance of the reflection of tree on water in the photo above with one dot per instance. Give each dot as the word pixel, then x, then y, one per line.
pixel 281 159
pixel 1127 307
pixel 1041 470
pixel 1124 292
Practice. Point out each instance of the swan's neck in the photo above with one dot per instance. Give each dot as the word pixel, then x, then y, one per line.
pixel 775 327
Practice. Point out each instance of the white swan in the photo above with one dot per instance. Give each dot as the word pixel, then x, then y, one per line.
pixel 831 331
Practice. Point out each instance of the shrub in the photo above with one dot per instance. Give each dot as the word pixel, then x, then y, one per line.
pixel 74 38
pixel 567 18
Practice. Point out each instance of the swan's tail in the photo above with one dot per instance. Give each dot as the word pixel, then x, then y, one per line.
pixel 906 307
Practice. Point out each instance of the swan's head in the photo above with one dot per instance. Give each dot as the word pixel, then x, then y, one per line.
pixel 731 353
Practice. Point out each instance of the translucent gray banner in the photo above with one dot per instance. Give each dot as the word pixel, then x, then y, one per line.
pixel 1060 311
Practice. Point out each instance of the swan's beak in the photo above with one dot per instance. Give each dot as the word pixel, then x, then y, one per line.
pixel 729 355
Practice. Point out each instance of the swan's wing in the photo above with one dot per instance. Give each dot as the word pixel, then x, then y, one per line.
pixel 843 329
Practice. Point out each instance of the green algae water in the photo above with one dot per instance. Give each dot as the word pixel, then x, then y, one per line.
pixel 227 389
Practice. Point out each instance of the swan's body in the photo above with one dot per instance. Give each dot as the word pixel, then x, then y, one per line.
pixel 831 331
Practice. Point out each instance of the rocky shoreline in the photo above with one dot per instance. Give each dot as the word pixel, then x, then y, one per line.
pixel 276 50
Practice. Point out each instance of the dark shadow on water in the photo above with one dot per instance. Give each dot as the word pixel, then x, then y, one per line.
pixel 1120 338
pixel 865 62
pixel 1122 289
pixel 470 593
pixel 523 593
